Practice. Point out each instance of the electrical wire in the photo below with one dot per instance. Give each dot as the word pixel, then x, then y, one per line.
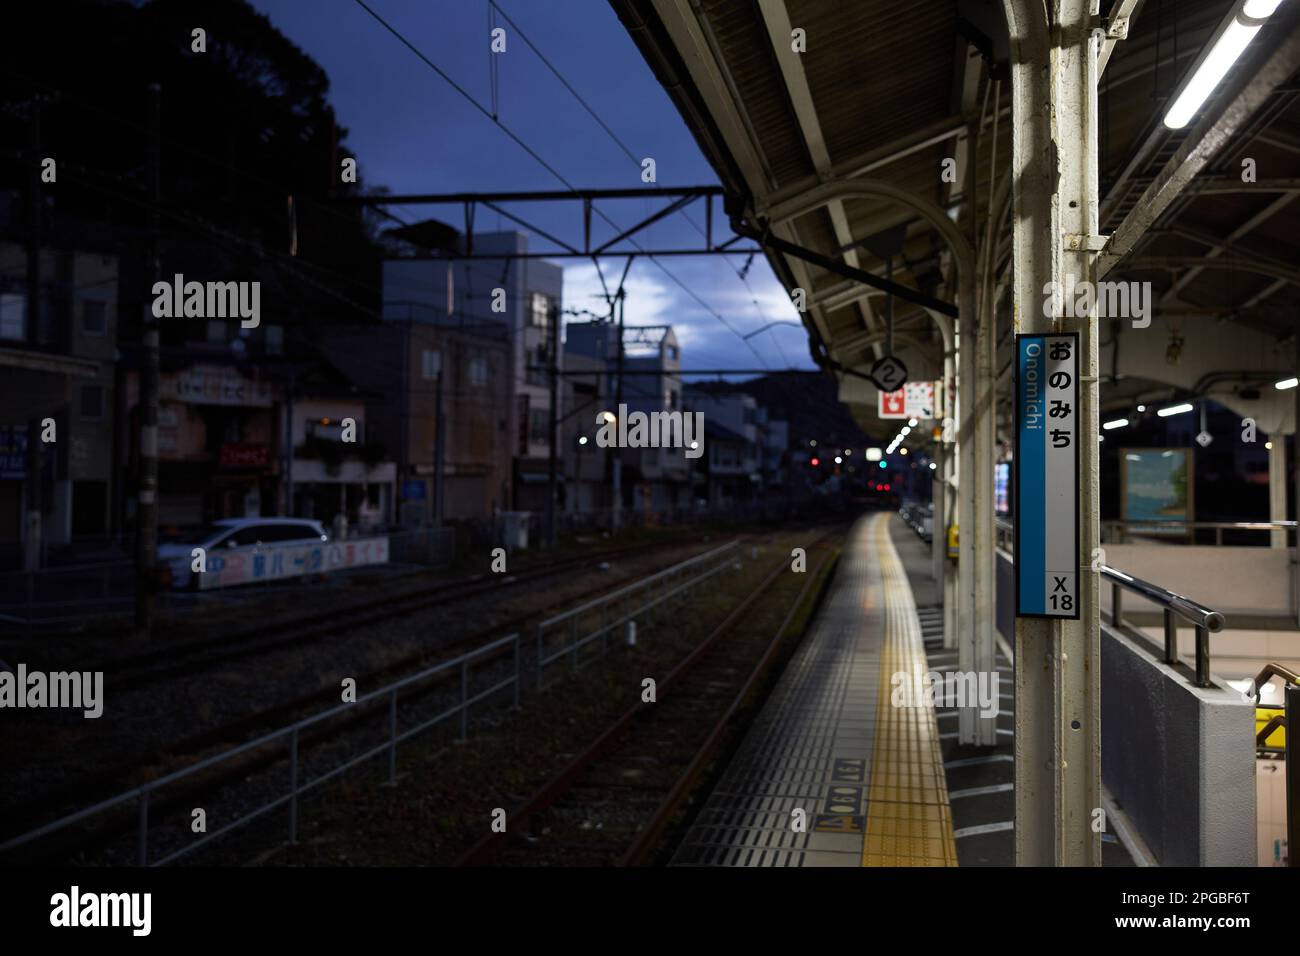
pixel 466 95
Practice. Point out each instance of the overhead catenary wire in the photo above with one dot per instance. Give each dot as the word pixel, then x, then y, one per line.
pixel 537 157
pixel 740 273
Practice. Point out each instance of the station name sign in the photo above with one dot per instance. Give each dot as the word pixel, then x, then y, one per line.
pixel 1047 475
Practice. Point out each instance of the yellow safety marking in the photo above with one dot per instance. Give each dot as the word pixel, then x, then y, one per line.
pixel 909 820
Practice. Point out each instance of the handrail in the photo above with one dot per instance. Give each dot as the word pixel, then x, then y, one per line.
pixel 1268 673
pixel 1238 525
pixel 1118 528
pixel 1204 619
pixel 1191 611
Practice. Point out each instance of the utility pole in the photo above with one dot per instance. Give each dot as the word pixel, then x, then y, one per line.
pixel 439 447
pixel 616 513
pixel 554 429
pixel 32 550
pixel 147 498
pixel 288 441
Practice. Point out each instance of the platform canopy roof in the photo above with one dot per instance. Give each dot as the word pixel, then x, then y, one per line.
pixel 898 93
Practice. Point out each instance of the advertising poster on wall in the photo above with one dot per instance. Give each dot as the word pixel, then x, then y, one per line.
pixel 1157 486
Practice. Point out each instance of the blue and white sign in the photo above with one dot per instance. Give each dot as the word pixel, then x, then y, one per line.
pixel 1047 475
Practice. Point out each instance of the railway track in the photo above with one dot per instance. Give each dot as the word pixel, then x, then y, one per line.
pixel 642 769
pixel 109 781
pixel 192 657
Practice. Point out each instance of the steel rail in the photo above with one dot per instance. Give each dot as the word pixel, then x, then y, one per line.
pixel 546 795
pixel 650 834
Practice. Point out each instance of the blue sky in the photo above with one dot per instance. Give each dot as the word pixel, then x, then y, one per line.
pixel 412 132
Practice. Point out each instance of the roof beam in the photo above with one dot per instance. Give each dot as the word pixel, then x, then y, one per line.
pixel 1118 25
pixel 1256 266
pixel 779 30
pixel 1279 139
pixel 871 160
pixel 1229 185
pixel 1220 124
pixel 1218 247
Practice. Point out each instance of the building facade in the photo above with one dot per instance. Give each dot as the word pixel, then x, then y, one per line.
pixel 521 297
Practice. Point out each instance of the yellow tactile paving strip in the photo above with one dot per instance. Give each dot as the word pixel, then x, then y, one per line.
pixel 909 821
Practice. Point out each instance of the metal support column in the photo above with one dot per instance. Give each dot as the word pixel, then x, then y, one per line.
pixel 616 512
pixel 1054 170
pixel 33 534
pixel 1277 488
pixel 975 647
pixel 952 495
pixel 146 514
pixel 938 535
pixel 975 568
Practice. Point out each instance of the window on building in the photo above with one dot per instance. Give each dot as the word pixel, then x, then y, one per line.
pixel 478 372
pixel 539 315
pixel 672 352
pixel 521 411
pixel 329 429
pixel 430 363
pixel 539 423
pixel 274 339
pixel 94 317
pixel 92 403
pixel 216 332
pixel 13 314
pixel 538 360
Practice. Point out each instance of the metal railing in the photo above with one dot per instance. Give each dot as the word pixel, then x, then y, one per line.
pixel 1205 620
pixel 1114 532
pixel 1290 707
pixel 289 737
pixel 596 620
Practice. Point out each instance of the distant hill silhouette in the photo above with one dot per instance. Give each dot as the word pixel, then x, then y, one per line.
pixel 809 401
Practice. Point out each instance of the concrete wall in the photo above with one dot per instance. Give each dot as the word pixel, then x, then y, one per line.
pixel 1235 580
pixel 1179 760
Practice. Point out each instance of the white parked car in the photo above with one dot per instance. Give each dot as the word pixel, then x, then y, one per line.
pixel 177 550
